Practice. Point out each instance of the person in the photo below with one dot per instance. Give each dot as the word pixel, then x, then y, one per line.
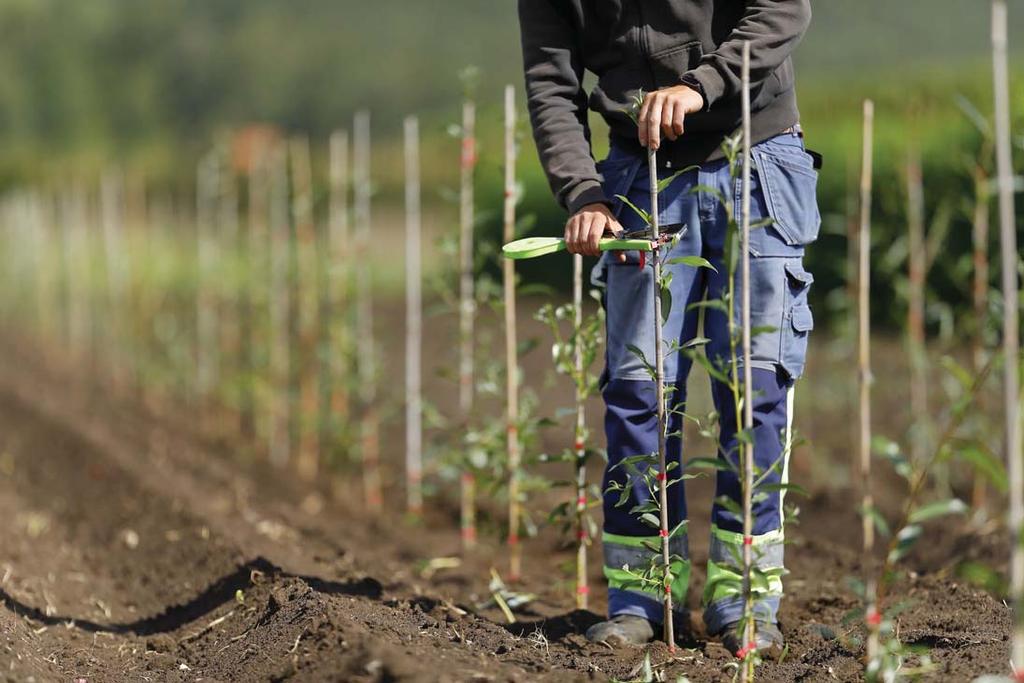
pixel 684 60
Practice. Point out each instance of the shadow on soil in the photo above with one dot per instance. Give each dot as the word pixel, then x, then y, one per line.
pixel 218 593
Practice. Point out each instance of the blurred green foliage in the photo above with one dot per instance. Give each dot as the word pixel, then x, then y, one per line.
pixel 149 84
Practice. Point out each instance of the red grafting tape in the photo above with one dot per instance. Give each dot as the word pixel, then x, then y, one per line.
pixel 873 617
pixel 581 501
pixel 663 533
pixel 583 590
pixel 469 533
pixel 467 478
pixel 661 476
pixel 643 259
pixel 668 589
pixel 578 445
pixel 581 535
pixel 744 651
pixel 513 539
pixel 1019 675
pixel 748 540
pixel 512 429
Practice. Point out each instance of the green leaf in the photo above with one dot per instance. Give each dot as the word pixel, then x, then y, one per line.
pixel 651 520
pixel 709 463
pixel 692 261
pixel 640 212
pixel 879 521
pixel 787 488
pixel 695 342
pixel 905 540
pixel 984 462
pixel 953 506
pixel 665 182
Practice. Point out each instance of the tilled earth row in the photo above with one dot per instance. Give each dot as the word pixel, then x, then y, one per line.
pixel 135 549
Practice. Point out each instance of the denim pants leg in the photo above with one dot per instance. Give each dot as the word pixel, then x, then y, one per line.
pixel 783 190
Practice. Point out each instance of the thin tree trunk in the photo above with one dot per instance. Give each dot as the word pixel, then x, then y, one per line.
pixel 747 446
pixel 308 303
pixel 659 381
pixel 413 323
pixel 511 350
pixel 865 378
pixel 279 423
pixel 979 241
pixel 920 424
pixel 467 311
pixel 1011 328
pixel 580 435
pixel 367 364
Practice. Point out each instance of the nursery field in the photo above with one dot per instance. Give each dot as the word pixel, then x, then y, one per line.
pixel 141 548
pixel 298 383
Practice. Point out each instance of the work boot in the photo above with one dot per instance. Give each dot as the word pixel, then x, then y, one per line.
pixel 625 629
pixel 767 639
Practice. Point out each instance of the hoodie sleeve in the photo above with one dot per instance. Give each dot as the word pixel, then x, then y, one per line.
pixel 557 102
pixel 773 27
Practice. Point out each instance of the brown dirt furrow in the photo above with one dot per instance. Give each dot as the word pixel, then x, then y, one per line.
pixel 139 549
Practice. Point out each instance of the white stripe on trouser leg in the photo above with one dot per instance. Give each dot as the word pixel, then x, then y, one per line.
pixel 787 449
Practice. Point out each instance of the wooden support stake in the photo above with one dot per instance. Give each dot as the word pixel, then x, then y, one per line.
pixel 338 280
pixel 659 381
pixel 413 323
pixel 917 266
pixel 308 304
pixel 511 343
pixel 207 343
pixel 1011 329
pixel 279 314
pixel 467 310
pixel 746 445
pixel 864 377
pixel 580 435
pixel 980 293
pixel 367 364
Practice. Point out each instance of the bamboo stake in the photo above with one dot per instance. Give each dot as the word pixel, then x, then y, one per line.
pixel 367 366
pixel 916 275
pixel 747 447
pixel 308 304
pixel 256 265
pixel 111 210
pixel 580 434
pixel 228 294
pixel 413 323
pixel 865 379
pixel 659 389
pixel 1011 329
pixel 279 304
pixel 207 184
pixel 979 241
pixel 467 310
pixel 511 346
pixel 338 284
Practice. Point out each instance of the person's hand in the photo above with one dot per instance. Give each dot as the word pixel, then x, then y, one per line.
pixel 664 112
pixel 584 230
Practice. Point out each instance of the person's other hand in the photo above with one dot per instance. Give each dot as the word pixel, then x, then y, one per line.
pixel 584 230
pixel 664 111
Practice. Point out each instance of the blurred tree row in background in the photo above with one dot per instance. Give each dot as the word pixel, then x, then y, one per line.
pixel 149 85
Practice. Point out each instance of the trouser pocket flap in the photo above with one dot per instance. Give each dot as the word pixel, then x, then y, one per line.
pixel 803 319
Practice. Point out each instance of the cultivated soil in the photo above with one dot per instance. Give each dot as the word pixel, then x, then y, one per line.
pixel 135 547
